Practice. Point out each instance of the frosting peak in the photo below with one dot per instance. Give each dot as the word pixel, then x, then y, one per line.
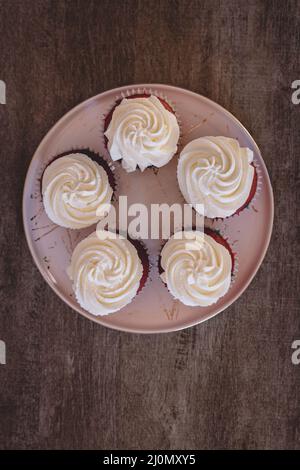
pixel 216 172
pixel 197 269
pixel 106 272
pixel 75 189
pixel 142 132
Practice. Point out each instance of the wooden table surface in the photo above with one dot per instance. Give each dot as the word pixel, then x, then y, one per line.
pixel 228 383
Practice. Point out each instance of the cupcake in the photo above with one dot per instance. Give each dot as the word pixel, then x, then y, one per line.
pixel 76 191
pixel 142 131
pixel 196 267
pixel 218 173
pixel 107 272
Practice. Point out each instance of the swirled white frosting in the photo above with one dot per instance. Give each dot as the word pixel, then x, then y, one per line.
pixel 106 272
pixel 216 172
pixel 197 269
pixel 76 191
pixel 142 133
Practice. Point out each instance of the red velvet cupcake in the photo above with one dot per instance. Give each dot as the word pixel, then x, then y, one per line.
pixel 196 267
pixel 219 174
pixel 107 271
pixel 141 131
pixel 77 189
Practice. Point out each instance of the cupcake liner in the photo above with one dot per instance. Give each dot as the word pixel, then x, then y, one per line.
pixel 144 256
pixel 258 185
pixel 235 254
pixel 138 91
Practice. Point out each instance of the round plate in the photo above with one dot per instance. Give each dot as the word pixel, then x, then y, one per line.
pixel 153 310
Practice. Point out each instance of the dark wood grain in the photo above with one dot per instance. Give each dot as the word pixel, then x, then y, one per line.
pixel 228 383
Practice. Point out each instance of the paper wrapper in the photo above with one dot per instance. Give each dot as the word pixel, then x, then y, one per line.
pixel 144 257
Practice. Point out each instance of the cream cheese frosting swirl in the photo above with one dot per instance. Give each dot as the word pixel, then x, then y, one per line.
pixel 216 172
pixel 197 269
pixel 106 271
pixel 142 133
pixel 75 191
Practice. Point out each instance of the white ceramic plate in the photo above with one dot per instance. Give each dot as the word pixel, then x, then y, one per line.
pixel 153 310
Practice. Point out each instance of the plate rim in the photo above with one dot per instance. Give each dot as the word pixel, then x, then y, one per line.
pixel 101 320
